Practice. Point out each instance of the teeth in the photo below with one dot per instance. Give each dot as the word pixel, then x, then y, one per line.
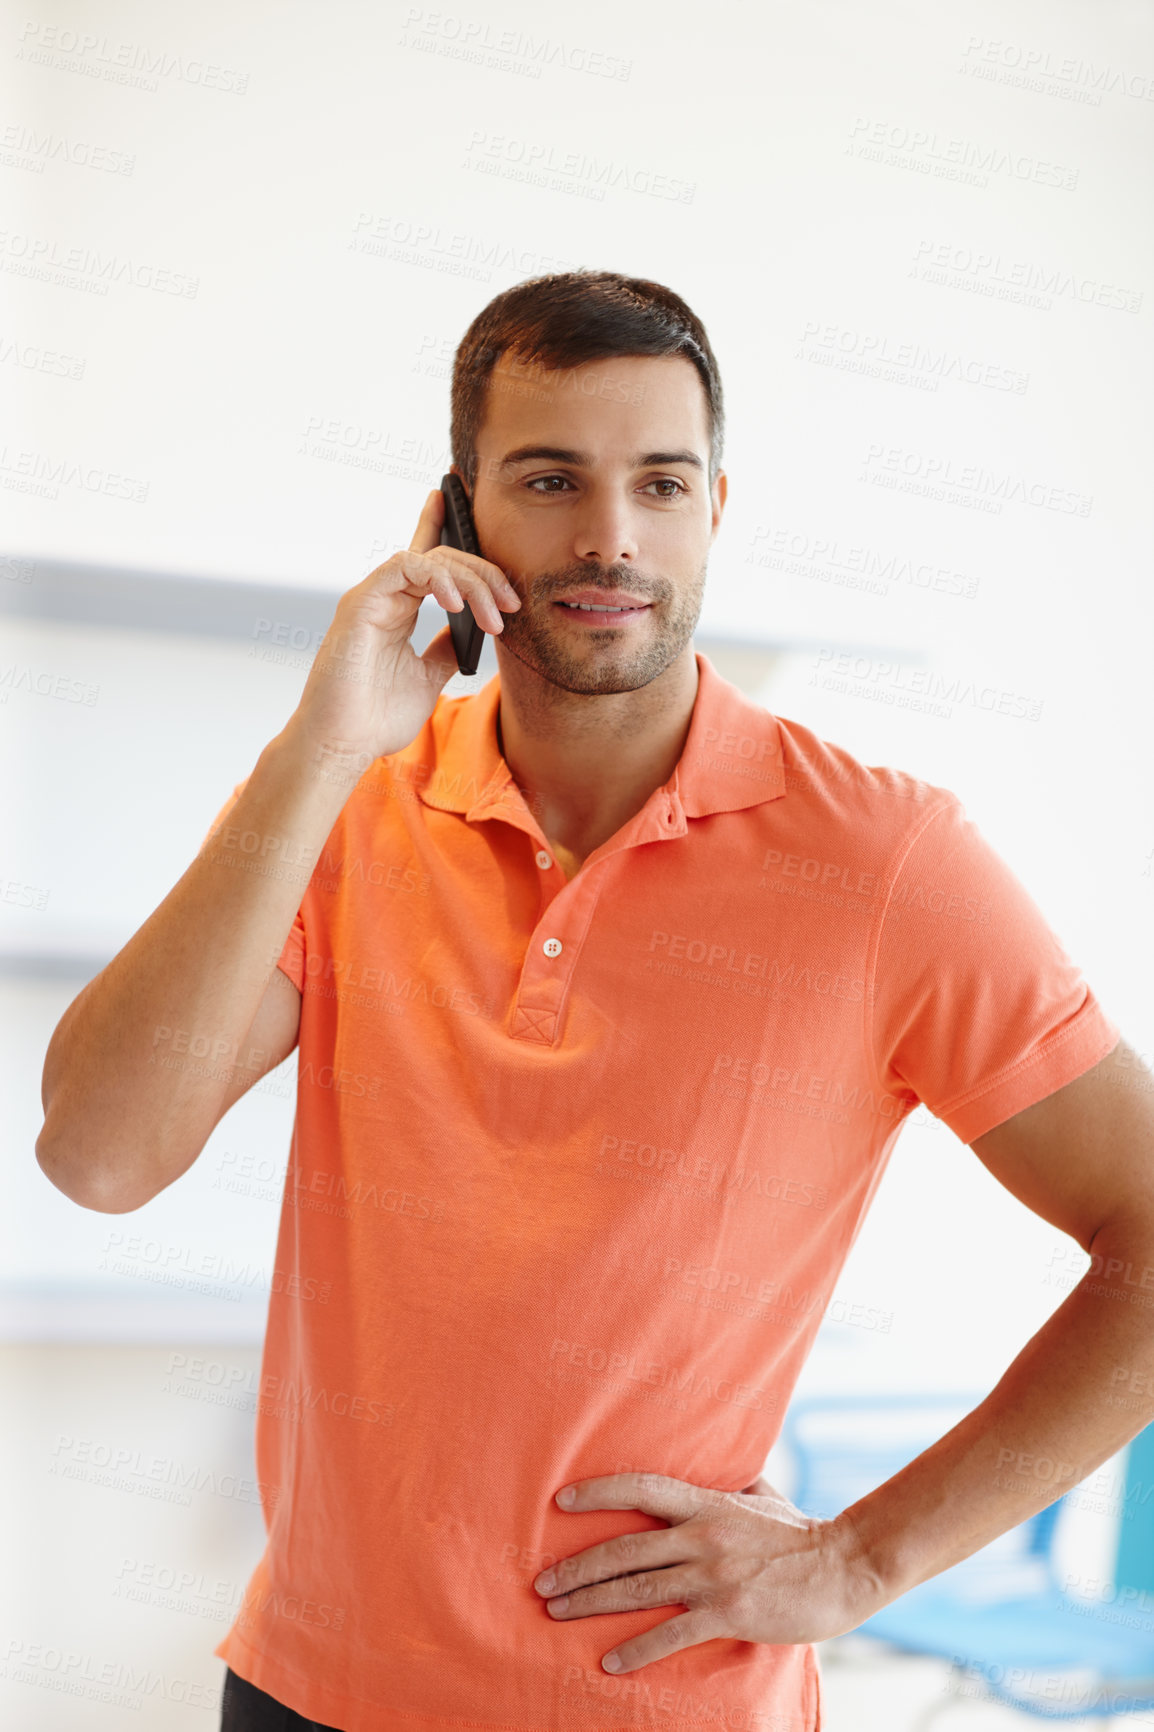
pixel 594 607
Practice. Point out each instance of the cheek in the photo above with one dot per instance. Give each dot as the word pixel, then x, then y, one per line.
pixel 525 551
pixel 680 544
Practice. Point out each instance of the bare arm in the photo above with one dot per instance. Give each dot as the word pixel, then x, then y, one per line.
pixel 273 1035
pixel 187 1016
pixel 1083 1159
pixel 193 1011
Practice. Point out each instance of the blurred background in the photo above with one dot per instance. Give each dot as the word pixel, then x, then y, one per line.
pixel 237 251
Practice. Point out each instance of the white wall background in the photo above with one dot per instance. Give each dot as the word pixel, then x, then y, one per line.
pixel 238 247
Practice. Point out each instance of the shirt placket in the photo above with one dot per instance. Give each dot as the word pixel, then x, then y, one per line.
pixel 567 904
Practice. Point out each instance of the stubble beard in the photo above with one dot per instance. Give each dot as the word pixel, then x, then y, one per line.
pixel 533 632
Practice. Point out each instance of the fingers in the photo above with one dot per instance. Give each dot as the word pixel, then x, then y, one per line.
pixel 410 575
pixel 684 1631
pixel 452 583
pixel 487 589
pixel 451 577
pixel 671 1587
pixel 646 1549
pixel 456 577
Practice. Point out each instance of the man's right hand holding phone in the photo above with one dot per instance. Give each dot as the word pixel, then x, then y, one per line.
pixel 119 1126
pixel 368 693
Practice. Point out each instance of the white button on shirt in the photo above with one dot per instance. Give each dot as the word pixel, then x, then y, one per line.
pixel 552 947
pixel 543 859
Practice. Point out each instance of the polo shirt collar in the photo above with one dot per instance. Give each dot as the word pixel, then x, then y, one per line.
pixel 732 757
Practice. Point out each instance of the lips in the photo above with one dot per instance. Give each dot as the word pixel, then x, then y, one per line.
pixel 608 612
pixel 603 600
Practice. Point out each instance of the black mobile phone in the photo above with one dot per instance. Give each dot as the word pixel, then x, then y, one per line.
pixel 460 531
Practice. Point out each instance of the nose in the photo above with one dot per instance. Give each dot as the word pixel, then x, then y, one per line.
pixel 603 532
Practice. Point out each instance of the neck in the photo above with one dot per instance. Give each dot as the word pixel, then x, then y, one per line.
pixel 587 764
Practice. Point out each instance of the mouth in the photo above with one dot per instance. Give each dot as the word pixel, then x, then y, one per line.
pixel 621 610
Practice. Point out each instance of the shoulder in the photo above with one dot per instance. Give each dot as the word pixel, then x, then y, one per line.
pixel 830 785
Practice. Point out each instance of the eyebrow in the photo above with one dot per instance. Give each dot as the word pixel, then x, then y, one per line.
pixel 581 459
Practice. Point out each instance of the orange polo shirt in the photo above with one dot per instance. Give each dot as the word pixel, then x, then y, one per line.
pixel 575 1167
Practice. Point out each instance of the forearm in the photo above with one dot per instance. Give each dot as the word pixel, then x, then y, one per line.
pixel 140 1065
pixel 1052 1419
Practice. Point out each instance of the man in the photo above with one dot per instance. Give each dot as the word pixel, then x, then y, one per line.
pixel 612 992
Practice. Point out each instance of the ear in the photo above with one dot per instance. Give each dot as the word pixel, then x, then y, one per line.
pixel 720 489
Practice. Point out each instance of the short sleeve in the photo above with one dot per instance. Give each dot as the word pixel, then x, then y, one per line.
pixel 292 956
pixel 975 1005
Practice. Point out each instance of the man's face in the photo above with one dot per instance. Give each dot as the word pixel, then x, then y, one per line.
pixel 593 484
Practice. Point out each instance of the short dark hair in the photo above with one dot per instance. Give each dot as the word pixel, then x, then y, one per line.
pixel 565 320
